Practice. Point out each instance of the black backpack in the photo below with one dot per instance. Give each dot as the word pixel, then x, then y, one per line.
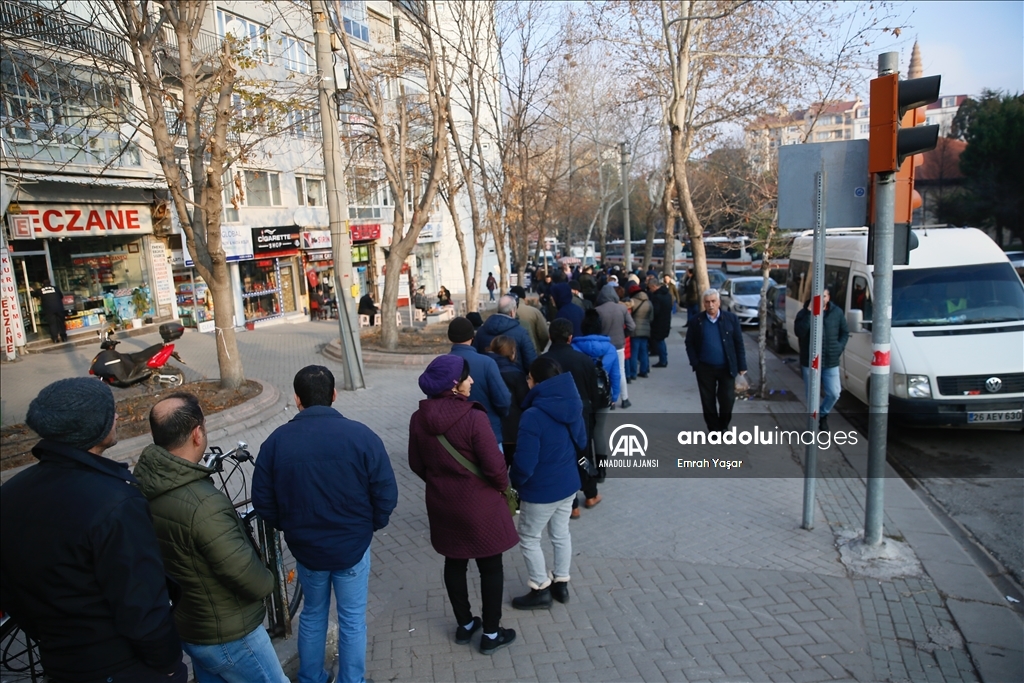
pixel 604 386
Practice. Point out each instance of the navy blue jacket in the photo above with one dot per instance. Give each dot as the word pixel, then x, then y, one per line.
pixel 327 483
pixel 488 388
pixel 732 340
pixel 544 469
pixel 566 309
pixel 498 325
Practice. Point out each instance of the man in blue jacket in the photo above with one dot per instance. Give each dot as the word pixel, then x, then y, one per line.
pixel 488 388
pixel 504 322
pixel 714 345
pixel 327 483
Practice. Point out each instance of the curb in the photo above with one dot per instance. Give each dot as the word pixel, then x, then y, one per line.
pixel 219 425
pixel 333 351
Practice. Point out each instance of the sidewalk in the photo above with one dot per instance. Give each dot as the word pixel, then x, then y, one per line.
pixel 682 579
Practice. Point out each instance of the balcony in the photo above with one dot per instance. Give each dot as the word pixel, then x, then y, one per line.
pixel 206 44
pixel 32 21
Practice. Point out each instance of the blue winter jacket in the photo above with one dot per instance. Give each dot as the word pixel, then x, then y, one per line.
pixel 498 325
pixel 566 308
pixel 327 483
pixel 600 346
pixel 544 469
pixel 488 388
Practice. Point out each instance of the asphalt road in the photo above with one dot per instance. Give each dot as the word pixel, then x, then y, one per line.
pixel 974 476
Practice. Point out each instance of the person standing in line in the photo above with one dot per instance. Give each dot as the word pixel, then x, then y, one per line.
pixel 503 351
pixel 532 320
pixel 544 472
pixel 469 519
pixel 207 550
pixel 691 295
pixel 488 388
pixel 670 284
pixel 80 566
pixel 642 312
pixel 714 345
pixel 505 322
pixel 661 321
pixel 834 335
pixel 492 284
pixel 51 302
pixel 615 320
pixel 327 483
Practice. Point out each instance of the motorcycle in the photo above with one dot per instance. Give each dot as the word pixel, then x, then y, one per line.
pixel 126 369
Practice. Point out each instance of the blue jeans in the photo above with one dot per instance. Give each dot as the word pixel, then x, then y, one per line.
pixel 250 659
pixel 830 385
pixel 639 355
pixel 350 590
pixel 662 348
pixel 631 363
pixel 491 292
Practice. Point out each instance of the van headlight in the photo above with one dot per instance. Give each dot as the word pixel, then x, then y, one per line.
pixel 911 386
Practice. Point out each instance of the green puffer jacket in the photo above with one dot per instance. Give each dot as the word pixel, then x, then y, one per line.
pixel 206 550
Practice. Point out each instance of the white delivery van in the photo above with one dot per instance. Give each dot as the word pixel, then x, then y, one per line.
pixel 957 345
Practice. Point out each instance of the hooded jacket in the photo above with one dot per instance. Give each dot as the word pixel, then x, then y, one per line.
pixel 498 325
pixel 80 566
pixel 205 549
pixel 550 430
pixel 468 517
pixel 568 310
pixel 598 346
pixel 615 317
pixel 327 483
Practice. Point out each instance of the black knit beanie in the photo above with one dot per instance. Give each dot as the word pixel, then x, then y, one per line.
pixel 78 411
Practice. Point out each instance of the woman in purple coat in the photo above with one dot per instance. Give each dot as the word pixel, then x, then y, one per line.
pixel 468 516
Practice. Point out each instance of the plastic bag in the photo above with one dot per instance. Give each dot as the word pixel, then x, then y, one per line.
pixel 742 384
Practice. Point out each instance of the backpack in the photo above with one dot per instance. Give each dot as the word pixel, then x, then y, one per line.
pixel 604 386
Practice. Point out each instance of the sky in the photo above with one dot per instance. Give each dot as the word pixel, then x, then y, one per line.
pixel 973 45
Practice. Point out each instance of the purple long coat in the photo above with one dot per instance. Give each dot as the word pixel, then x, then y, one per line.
pixel 468 517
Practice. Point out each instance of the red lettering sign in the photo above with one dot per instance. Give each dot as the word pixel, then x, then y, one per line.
pixel 60 220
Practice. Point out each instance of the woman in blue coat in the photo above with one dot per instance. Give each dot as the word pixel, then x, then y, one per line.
pixel 545 474
pixel 599 346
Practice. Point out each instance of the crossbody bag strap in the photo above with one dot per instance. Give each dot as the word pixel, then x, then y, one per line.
pixel 461 458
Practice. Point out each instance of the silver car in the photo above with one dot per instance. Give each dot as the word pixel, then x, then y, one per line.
pixel 742 296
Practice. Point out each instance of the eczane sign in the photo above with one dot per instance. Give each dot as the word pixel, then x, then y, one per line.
pixel 80 220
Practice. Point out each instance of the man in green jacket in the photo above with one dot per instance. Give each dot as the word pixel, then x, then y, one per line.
pixel 206 549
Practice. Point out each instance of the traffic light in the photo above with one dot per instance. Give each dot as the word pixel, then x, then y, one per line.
pixel 891 99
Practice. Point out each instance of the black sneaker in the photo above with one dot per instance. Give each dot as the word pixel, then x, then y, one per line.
pixel 560 591
pixel 645 375
pixel 823 424
pixel 462 635
pixel 626 403
pixel 535 599
pixel 504 638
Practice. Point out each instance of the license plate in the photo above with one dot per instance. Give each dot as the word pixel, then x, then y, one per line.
pixel 996 416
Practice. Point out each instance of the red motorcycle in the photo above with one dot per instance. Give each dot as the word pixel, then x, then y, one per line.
pixel 125 369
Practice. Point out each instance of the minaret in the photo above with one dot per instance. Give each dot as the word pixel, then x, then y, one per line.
pixel 916 70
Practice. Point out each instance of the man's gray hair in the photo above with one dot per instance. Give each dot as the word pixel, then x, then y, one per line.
pixel 713 293
pixel 507 305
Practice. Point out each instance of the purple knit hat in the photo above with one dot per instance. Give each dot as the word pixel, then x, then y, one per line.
pixel 442 375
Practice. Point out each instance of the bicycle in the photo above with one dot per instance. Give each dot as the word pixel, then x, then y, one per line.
pixel 19 654
pixel 284 602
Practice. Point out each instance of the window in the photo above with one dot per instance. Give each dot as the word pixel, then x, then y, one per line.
pixel 258 42
pixel 262 188
pixel 297 55
pixel 864 128
pixel 822 135
pixel 355 19
pixel 231 199
pixel 862 113
pixel 988 292
pixel 303 123
pixel 948 102
pixel 860 300
pixel 310 191
pixel 366 195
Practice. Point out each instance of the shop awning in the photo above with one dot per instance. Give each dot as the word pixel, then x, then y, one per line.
pixel 131 183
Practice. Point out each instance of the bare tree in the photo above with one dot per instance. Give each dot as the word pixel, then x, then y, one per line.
pixel 409 131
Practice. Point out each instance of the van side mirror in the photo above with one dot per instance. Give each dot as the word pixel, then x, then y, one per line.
pixel 855 320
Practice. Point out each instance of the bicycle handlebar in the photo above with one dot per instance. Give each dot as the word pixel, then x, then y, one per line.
pixel 215 458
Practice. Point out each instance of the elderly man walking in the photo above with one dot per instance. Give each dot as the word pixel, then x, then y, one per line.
pixel 714 345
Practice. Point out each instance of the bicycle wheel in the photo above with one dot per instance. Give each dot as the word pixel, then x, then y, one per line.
pixel 19 654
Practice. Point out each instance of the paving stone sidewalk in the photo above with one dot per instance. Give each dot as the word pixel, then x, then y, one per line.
pixel 672 580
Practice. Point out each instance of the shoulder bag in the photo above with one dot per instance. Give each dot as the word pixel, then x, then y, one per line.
pixel 509 494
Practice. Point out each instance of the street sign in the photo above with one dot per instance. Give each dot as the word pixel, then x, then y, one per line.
pixel 845 165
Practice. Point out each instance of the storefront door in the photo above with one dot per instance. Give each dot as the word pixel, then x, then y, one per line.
pixel 287 286
pixel 31 273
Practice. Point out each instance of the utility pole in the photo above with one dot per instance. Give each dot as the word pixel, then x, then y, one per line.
pixel 345 288
pixel 627 251
pixel 815 369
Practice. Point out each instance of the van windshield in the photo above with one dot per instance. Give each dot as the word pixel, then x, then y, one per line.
pixel 983 293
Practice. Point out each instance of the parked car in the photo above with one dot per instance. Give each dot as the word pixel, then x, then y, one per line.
pixel 716 279
pixel 742 296
pixel 775 331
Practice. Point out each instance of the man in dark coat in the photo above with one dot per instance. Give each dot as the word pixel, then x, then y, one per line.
pixel 504 322
pixel 489 389
pixel 834 335
pixel 714 345
pixel 51 301
pixel 327 483
pixel 80 566
pixel 367 307
pixel 661 321
pixel 567 310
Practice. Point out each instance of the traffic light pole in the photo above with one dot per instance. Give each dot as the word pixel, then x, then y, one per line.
pixel 337 204
pixel 881 329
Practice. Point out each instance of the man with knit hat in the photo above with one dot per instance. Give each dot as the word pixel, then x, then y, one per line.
pixel 80 566
pixel 489 388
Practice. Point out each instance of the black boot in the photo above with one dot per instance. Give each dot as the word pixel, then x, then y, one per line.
pixel 560 591
pixel 535 599
pixel 504 638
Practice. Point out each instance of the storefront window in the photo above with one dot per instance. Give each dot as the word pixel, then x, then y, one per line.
pixel 260 291
pixel 102 277
pixel 195 303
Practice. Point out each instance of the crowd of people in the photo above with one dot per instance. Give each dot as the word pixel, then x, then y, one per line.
pixel 116 573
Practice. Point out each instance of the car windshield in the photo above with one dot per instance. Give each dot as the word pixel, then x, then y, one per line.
pixel 983 293
pixel 716 279
pixel 743 287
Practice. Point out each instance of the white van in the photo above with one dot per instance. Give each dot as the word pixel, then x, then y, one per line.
pixel 957 346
